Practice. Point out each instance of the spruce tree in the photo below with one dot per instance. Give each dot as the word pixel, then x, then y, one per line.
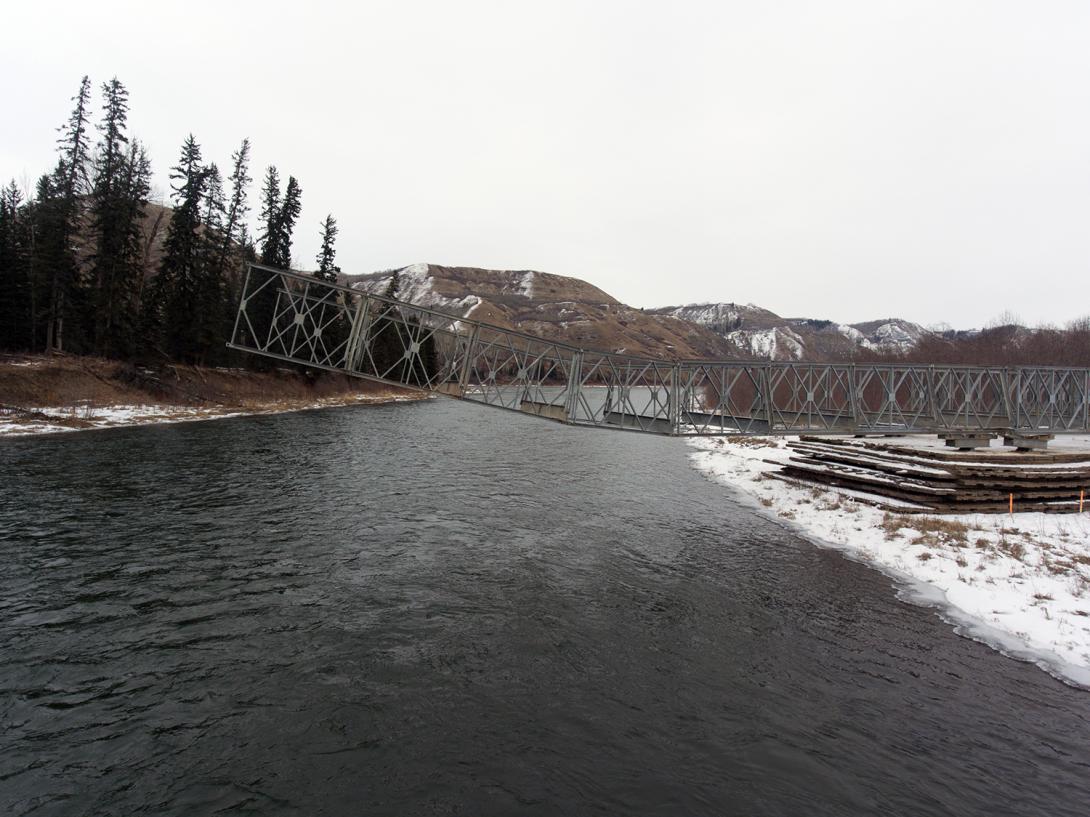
pixel 133 193
pixel 118 197
pixel 74 145
pixel 213 208
pixel 327 271
pixel 393 285
pixel 289 215
pixel 270 216
pixel 15 305
pixel 334 317
pixel 385 341
pixel 57 217
pixel 172 312
pixel 233 239
pixel 237 208
pixel 261 305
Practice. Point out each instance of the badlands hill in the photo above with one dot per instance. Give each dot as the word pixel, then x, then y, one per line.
pixel 581 314
pixel 756 332
pixel 550 306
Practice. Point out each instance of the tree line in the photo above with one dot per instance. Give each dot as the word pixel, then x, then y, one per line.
pixel 79 266
pixel 1005 343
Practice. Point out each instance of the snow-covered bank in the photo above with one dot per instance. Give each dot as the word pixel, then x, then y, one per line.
pixel 1020 582
pixel 21 422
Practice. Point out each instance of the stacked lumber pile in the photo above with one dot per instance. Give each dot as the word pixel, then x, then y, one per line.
pixel 918 480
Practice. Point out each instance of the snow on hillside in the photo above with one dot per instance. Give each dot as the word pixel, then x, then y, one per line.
pixel 895 336
pixel 770 344
pixel 415 285
pixel 723 318
pixel 758 332
pixel 526 284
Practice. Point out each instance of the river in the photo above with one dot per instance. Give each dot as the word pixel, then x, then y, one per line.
pixel 446 609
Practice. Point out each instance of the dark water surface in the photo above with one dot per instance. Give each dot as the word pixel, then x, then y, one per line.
pixel 440 609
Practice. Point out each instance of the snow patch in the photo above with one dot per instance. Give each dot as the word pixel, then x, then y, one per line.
pixel 415 287
pixel 526 284
pixel 1019 583
pixel 775 344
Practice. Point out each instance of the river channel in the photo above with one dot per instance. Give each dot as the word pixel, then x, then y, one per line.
pixel 443 609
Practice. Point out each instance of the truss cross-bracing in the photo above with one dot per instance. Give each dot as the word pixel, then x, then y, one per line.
pixel 299 319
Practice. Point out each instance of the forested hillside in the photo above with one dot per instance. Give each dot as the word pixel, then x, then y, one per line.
pixel 88 265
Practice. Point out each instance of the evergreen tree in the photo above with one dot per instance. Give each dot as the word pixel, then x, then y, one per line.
pixel 213 208
pixel 327 271
pixel 172 312
pixel 212 288
pixel 118 197
pixel 15 305
pixel 261 306
pixel 278 217
pixel 385 338
pixel 233 238
pixel 56 222
pixel 334 318
pixel 74 145
pixel 289 214
pixel 237 208
pixel 270 216
pixel 393 285
pixel 133 199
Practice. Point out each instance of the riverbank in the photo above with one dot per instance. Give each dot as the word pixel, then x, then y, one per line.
pixel 42 394
pixel 1019 582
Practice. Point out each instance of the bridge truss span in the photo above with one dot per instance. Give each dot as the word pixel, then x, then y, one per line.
pixel 301 319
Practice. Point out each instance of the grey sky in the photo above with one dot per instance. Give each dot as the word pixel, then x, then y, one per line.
pixel 846 160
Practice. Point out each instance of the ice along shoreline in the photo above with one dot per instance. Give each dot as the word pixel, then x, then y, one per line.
pixel 20 422
pixel 1019 583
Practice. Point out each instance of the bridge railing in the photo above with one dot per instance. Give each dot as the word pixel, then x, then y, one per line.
pixel 304 320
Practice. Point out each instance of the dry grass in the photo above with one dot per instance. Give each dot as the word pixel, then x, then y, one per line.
pixel 747 442
pixel 949 528
pixel 86 384
pixel 891 523
pixel 1016 550
pixel 931 530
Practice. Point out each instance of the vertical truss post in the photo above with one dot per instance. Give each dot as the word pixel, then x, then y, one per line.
pixel 1005 381
pixel 575 385
pixel 1086 400
pixel 361 323
pixel 241 303
pixel 673 411
pixel 1012 378
pixel 932 397
pixel 766 392
pixel 853 397
pixel 467 363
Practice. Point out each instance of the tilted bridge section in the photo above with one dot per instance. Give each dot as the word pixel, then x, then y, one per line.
pixel 300 319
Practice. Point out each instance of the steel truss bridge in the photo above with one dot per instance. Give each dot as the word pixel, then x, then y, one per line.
pixel 300 319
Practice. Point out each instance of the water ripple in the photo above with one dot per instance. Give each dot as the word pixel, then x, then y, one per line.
pixel 424 610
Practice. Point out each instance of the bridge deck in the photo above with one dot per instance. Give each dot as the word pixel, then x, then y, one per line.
pixel 299 319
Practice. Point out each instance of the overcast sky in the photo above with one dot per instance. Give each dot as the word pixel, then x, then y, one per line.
pixel 843 160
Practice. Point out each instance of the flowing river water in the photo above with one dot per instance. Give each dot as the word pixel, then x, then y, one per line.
pixel 444 609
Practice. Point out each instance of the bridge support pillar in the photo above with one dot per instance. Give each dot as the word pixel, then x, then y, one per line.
pixel 1027 440
pixel 967 440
